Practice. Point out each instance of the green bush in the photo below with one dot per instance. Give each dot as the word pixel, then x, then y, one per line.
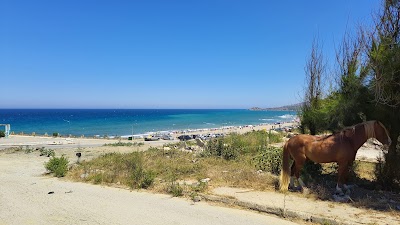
pixel 139 177
pixel 269 159
pixel 55 134
pixel 222 147
pixel 234 145
pixel 57 166
pixel 175 189
pixel 47 152
pixel 2 134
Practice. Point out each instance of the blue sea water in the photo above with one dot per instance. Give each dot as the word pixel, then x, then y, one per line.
pixel 119 122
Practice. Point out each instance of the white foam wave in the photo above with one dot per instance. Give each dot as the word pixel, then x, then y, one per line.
pixel 287 116
pixel 267 119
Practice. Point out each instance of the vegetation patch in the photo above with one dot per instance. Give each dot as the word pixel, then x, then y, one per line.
pixel 58 166
pixel 226 161
pixel 128 144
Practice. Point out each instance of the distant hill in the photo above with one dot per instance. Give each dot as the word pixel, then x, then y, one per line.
pixel 294 107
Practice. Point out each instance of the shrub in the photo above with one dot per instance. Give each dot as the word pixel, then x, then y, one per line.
pixel 129 144
pixel 2 134
pixel 175 189
pixel 55 134
pixel 139 177
pixel 222 147
pixel 47 152
pixel 57 166
pixel 269 159
pixel 234 145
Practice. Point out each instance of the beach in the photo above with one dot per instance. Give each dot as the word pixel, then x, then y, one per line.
pixel 96 146
pixel 68 142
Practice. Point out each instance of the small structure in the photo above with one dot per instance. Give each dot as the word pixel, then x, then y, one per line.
pixel 7 128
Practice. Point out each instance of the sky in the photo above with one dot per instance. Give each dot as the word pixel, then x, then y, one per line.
pixel 166 54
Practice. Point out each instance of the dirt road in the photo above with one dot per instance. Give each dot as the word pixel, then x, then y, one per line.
pixel 26 198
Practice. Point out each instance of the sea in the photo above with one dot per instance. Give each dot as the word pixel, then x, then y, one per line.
pixel 125 122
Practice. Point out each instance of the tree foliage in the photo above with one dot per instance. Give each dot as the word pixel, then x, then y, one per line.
pixel 384 68
pixel 314 71
pixel 367 86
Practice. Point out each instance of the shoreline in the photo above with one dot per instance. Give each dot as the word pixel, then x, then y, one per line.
pixel 18 140
pixel 115 123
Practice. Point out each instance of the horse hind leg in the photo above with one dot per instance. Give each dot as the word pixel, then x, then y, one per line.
pixel 292 170
pixel 298 169
pixel 295 172
pixel 342 177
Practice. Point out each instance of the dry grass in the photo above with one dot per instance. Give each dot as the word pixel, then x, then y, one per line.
pixel 174 167
pixel 179 173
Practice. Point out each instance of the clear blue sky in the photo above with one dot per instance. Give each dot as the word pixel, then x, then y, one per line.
pixel 165 54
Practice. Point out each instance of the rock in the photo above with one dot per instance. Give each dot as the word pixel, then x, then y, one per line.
pixel 259 171
pixel 51 192
pixel 196 198
pixel 205 180
pixel 167 148
pixel 84 175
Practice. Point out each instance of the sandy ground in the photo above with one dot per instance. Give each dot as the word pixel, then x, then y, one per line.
pixel 25 199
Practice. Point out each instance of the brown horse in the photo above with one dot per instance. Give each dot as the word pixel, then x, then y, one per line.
pixel 340 147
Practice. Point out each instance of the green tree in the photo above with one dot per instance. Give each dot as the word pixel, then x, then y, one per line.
pixel 354 98
pixel 384 75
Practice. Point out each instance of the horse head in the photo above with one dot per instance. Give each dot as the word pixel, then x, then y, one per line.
pixel 381 133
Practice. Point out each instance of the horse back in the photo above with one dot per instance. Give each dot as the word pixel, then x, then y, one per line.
pixel 317 149
pixel 297 145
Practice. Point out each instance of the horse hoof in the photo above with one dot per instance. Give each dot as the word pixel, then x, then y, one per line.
pixel 295 189
pixel 339 192
pixel 305 190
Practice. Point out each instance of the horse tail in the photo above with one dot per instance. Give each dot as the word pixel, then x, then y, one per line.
pixel 284 178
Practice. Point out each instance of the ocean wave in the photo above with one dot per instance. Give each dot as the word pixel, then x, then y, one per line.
pixel 209 123
pixel 267 119
pixel 287 116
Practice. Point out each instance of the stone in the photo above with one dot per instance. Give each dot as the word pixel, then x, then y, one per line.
pixel 196 198
pixel 205 180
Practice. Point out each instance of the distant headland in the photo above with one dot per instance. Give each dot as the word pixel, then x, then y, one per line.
pixel 294 107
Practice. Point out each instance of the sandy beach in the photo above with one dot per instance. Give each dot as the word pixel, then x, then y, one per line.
pixel 95 146
pixel 67 142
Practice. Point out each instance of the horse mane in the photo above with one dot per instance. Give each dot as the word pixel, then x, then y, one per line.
pixel 368 127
